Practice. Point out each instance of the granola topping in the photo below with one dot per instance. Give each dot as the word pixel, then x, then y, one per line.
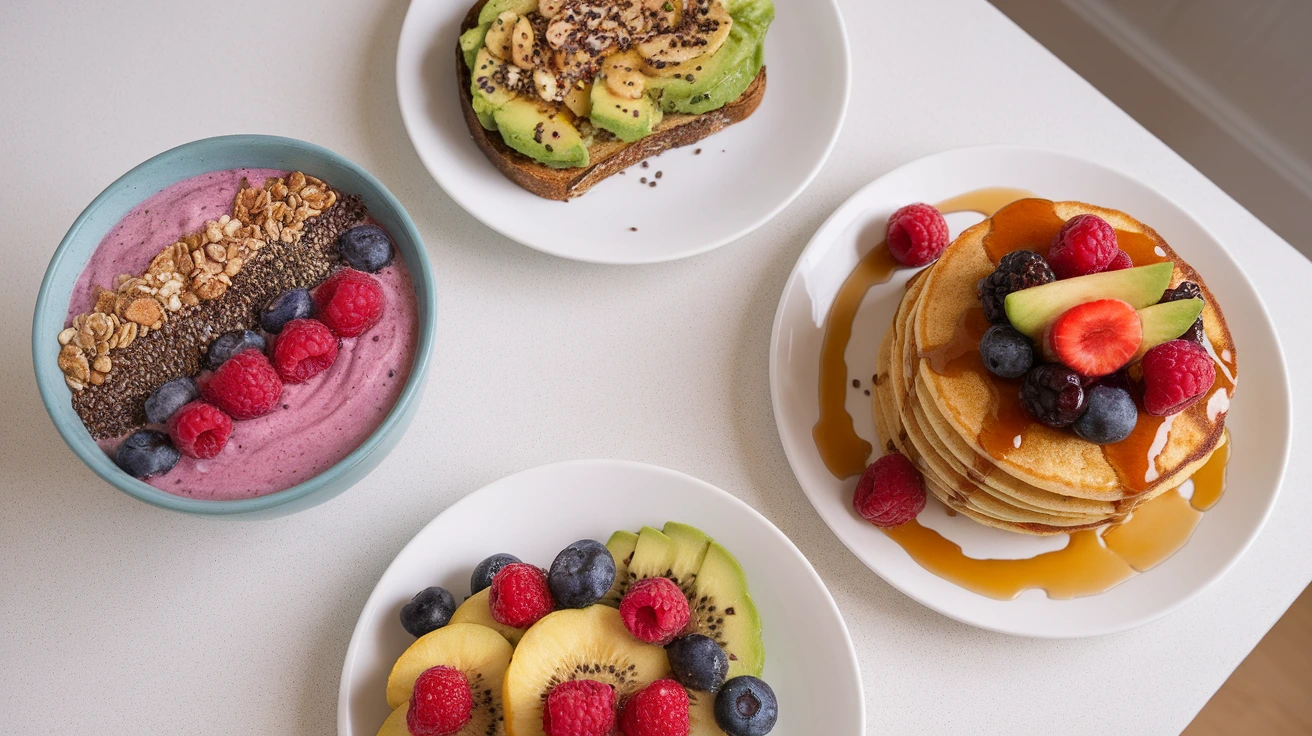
pixel 197 268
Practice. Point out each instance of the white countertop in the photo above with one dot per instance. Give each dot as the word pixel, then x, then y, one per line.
pixel 119 618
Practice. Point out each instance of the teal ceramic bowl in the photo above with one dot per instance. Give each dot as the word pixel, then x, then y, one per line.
pixel 183 162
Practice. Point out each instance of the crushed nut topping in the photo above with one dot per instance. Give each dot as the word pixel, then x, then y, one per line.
pixel 199 267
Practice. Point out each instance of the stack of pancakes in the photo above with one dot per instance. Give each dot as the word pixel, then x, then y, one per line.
pixel 980 453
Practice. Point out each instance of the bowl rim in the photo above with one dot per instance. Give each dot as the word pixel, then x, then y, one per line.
pixel 102 465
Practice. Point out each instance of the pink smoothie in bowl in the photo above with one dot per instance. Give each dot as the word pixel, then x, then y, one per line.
pixel 284 237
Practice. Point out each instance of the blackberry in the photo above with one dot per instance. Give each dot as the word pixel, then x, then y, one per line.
pixel 1053 394
pixel 1187 290
pixel 1017 270
pixel 1006 352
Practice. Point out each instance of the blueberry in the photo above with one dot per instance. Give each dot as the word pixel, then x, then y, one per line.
pixel 290 305
pixel 746 706
pixel 487 569
pixel 1111 415
pixel 1006 352
pixel 366 248
pixel 146 452
pixel 581 574
pixel 698 662
pixel 429 610
pixel 229 344
pixel 170 397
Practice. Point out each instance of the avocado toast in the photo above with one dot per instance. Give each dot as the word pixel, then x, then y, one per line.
pixel 560 94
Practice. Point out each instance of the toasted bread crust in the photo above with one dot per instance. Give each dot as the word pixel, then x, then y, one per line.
pixel 607 158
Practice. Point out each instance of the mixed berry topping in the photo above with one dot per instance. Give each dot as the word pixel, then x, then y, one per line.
pixel 746 706
pixel 580 708
pixel 581 574
pixel 519 596
pixel 441 703
pixel 1017 270
pixel 655 610
pixel 429 610
pixel 1175 375
pixel 917 234
pixel 1053 394
pixel 246 386
pixel 200 430
pixel 304 349
pixel 891 492
pixel 1086 244
pixel 660 709
pixel 349 302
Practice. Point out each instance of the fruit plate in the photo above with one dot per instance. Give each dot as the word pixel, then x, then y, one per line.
pixel 810 661
pixel 1259 419
pixel 742 178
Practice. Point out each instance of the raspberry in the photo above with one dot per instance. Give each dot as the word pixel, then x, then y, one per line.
pixel 1017 270
pixel 519 595
pixel 200 430
pixel 917 234
pixel 1085 244
pixel 441 703
pixel 1053 394
pixel 1175 375
pixel 245 386
pixel 1121 262
pixel 1187 290
pixel 655 610
pixel 349 302
pixel 580 708
pixel 660 709
pixel 891 492
pixel 305 348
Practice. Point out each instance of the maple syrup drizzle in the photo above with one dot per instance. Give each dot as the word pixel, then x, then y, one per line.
pixel 841 449
pixel 1091 562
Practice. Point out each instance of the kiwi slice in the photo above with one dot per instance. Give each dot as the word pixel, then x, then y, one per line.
pixel 714 584
pixel 621 545
pixel 722 609
pixel 477 651
pixel 701 715
pixel 575 644
pixel 476 610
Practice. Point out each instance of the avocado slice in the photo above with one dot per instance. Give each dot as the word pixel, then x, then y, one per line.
pixel 541 133
pixel 621 545
pixel 488 95
pixel 1166 321
pixel 471 41
pixel 1031 310
pixel 722 609
pixel 713 81
pixel 497 7
pixel 629 120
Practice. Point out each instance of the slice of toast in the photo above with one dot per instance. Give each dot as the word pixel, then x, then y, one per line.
pixel 608 157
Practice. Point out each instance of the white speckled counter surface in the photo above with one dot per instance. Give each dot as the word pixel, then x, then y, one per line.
pixel 119 618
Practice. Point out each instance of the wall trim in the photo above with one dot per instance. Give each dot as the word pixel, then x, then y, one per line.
pixel 1195 90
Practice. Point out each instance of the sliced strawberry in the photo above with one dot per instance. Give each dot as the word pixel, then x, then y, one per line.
pixel 1096 338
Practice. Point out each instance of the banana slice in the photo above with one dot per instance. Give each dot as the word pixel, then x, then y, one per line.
pixel 498 35
pixel 704 32
pixel 549 8
pixel 522 43
pixel 623 77
pixel 547 85
pixel 579 99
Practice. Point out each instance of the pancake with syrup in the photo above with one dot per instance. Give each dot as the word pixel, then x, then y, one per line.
pixel 982 454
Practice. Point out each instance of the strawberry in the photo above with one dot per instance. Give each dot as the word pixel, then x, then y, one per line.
pixel 1096 338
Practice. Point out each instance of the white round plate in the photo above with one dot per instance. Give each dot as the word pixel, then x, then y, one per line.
pixel 744 176
pixel 810 662
pixel 1259 418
